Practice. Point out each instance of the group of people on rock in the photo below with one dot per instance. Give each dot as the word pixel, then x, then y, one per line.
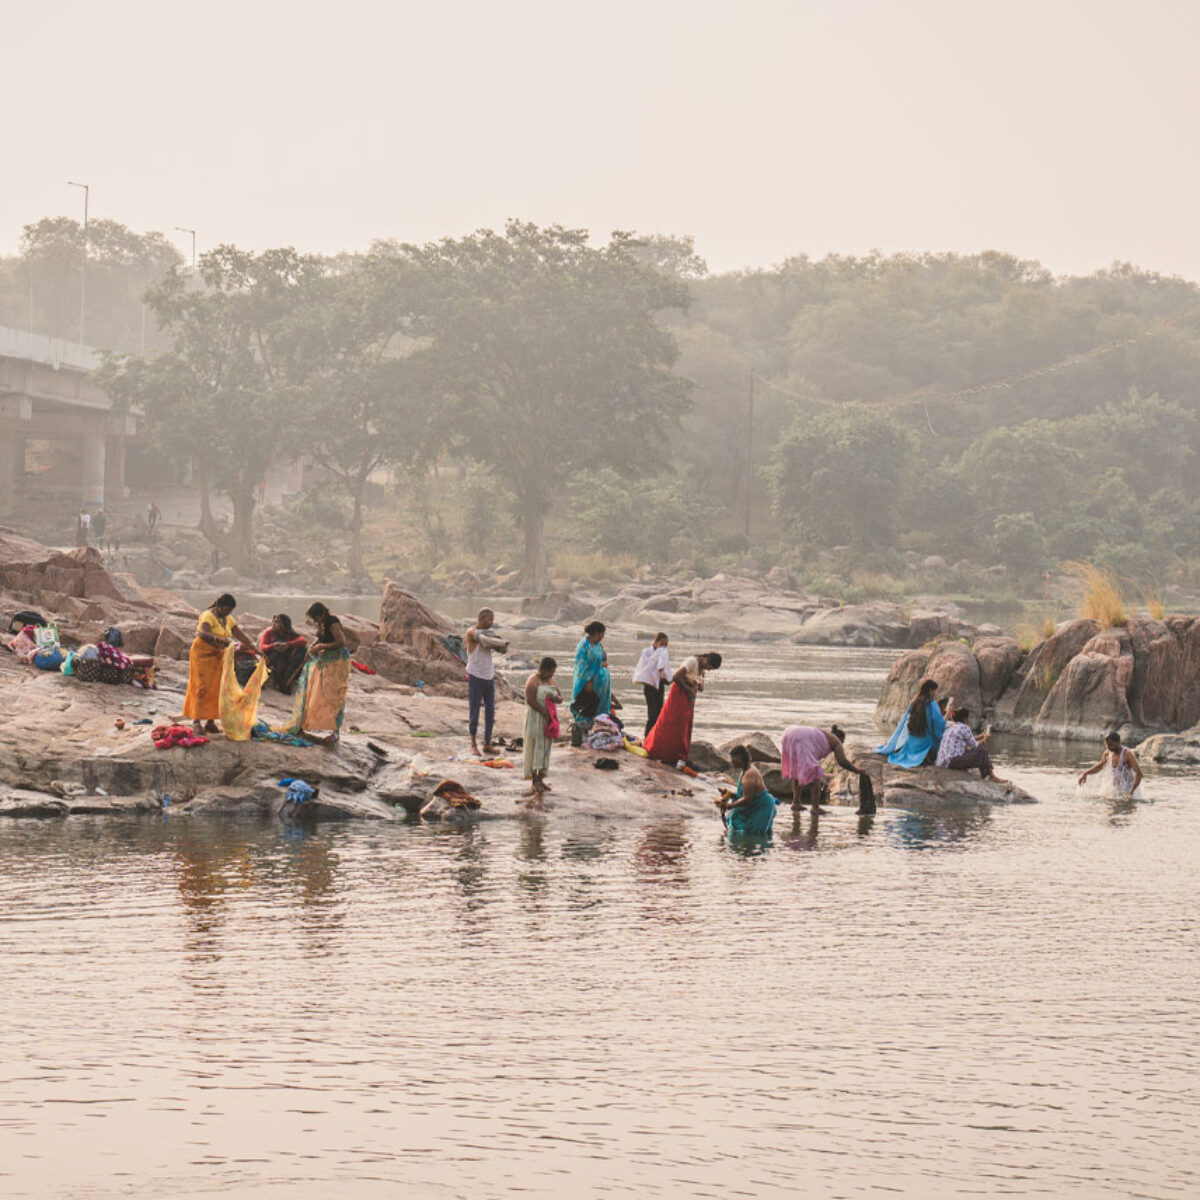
pixel 316 670
pixel 935 733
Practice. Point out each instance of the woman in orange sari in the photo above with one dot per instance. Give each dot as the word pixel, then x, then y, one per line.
pixel 215 630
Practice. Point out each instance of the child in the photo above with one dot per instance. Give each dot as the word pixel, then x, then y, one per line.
pixel 654 673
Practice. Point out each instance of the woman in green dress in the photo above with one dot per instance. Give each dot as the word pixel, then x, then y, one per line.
pixel 750 811
pixel 542 699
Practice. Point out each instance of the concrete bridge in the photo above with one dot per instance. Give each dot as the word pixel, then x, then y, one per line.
pixel 47 393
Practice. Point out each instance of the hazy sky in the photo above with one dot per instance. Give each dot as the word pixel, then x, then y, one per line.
pixel 1058 129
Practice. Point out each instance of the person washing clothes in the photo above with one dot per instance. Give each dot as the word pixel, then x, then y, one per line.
pixel 653 672
pixel 481 678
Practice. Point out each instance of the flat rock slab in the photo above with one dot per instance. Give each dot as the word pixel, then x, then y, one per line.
pixel 897 787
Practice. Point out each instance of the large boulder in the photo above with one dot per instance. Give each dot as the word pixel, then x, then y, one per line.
pixel 876 624
pixel 1090 694
pixel 951 664
pixel 998 659
pixel 901 684
pixel 760 747
pixel 1018 708
pixel 171 644
pixel 560 607
pixel 704 756
pixel 405 621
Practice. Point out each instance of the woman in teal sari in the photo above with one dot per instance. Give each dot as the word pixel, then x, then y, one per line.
pixel 750 812
pixel 591 694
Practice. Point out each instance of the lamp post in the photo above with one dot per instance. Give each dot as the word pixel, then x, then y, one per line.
pixel 83 271
pixel 181 229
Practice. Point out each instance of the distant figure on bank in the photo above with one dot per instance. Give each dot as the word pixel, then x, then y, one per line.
pixel 802 748
pixel 215 630
pixel 85 528
pixel 542 697
pixel 750 811
pixel 591 687
pixel 915 740
pixel 961 750
pixel 481 678
pixel 653 672
pixel 285 648
pixel 1126 771
pixel 324 680
pixel 670 740
pixel 153 516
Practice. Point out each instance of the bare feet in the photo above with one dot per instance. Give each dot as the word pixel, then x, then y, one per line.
pixel 475 748
pixel 211 727
pixel 490 750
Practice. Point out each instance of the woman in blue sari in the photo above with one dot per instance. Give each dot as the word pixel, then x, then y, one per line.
pixel 915 740
pixel 591 694
pixel 751 810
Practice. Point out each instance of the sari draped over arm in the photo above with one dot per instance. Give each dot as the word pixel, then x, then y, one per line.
pixel 590 668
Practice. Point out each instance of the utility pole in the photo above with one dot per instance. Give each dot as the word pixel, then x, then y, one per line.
pixel 749 450
pixel 181 229
pixel 83 271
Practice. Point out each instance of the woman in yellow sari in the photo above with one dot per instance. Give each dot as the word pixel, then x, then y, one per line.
pixel 322 686
pixel 215 630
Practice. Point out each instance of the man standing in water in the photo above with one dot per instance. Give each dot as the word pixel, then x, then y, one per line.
pixel 481 678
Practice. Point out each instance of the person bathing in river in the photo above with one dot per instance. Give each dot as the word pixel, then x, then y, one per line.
pixel 802 748
pixel 1125 768
pixel 654 673
pixel 542 697
pixel 915 740
pixel 961 750
pixel 750 811
pixel 591 689
pixel 670 740
pixel 215 630
pixel 481 678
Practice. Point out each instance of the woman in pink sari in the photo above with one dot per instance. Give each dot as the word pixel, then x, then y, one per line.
pixel 802 747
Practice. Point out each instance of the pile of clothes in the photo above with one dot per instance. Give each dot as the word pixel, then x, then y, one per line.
pixel 605 734
pixel 166 737
pixel 38 645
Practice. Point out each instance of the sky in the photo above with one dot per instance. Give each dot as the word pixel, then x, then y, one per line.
pixel 1061 130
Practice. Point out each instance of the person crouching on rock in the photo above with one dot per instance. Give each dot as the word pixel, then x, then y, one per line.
pixel 481 678
pixel 801 748
pixel 961 750
pixel 215 630
pixel 914 742
pixel 542 697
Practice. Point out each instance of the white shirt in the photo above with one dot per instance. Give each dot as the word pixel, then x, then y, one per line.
pixel 654 666
pixel 479 658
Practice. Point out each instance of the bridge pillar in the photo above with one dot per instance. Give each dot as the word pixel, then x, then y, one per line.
pixel 12 468
pixel 92 455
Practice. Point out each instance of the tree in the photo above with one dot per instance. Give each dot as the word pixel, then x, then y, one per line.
pixel 550 354
pixel 842 474
pixel 224 395
pixel 363 404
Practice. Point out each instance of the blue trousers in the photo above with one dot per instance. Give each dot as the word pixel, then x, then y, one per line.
pixel 481 692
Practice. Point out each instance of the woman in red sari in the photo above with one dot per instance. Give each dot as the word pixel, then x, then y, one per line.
pixel 671 738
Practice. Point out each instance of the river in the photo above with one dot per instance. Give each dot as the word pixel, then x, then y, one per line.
pixel 970 1004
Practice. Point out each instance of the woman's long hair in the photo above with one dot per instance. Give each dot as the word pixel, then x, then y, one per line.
pixel 918 716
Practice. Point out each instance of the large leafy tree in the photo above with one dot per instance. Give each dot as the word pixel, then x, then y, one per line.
pixel 224 396
pixel 364 403
pixel 551 355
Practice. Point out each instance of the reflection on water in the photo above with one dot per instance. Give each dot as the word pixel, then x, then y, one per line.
pixel 924 1003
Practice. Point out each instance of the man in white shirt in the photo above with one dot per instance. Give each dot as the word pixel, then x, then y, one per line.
pixel 481 678
pixel 654 673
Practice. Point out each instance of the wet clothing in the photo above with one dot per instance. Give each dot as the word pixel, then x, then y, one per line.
pixel 321 693
pixel 537 741
pixel 480 644
pixel 671 738
pixel 756 818
pixel 903 749
pixel 802 747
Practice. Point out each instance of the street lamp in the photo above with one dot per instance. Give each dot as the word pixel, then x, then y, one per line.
pixel 181 229
pixel 83 272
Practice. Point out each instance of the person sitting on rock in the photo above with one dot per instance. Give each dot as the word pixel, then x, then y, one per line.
pixel 914 741
pixel 481 678
pixel 801 748
pixel 1125 768
pixel 285 650
pixel 961 750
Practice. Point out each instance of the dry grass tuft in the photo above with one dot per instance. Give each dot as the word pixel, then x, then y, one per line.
pixel 1155 606
pixel 1101 596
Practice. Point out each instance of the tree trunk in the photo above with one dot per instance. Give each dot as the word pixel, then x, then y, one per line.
pixel 358 485
pixel 239 544
pixel 534 575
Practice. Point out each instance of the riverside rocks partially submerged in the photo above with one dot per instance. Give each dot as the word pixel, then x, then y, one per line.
pixel 923 787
